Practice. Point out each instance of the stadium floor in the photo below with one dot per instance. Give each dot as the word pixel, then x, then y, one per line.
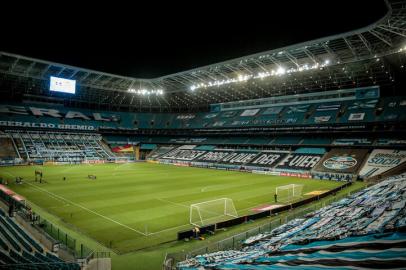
pixel 138 205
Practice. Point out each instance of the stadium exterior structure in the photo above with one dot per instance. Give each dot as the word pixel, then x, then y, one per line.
pixel 281 112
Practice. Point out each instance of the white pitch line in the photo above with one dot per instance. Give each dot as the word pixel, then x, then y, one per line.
pixel 119 166
pixel 65 205
pixel 87 209
pixel 169 229
pixel 174 203
pixel 12 175
pixel 68 169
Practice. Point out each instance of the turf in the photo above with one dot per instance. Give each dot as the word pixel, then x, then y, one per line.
pixel 139 205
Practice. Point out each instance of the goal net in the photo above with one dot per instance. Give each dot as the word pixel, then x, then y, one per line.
pixel 211 211
pixel 289 192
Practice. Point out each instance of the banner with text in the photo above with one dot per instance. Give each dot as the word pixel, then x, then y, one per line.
pixel 382 160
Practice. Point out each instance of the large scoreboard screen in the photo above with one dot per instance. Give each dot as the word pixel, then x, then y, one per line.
pixel 62 85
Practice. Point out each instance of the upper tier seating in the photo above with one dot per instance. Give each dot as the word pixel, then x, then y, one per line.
pixel 325 113
pixel 346 112
pixel 392 109
pixel 359 111
pixel 358 231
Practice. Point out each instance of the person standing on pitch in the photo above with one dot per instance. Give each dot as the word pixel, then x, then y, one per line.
pixel 276 197
pixel 196 232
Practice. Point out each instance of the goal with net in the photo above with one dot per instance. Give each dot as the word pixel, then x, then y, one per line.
pixel 204 213
pixel 289 193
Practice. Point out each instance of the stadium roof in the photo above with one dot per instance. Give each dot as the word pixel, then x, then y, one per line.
pixel 366 56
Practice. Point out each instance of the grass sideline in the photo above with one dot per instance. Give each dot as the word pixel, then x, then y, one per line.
pixel 111 193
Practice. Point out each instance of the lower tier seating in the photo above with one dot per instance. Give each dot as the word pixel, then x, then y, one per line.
pixel 19 251
pixel 60 146
pixel 364 230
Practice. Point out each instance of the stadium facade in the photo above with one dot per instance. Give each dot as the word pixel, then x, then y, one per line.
pixel 332 109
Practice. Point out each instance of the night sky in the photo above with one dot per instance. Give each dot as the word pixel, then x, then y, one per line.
pixel 159 39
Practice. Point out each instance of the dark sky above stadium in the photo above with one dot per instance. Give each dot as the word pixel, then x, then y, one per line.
pixel 152 40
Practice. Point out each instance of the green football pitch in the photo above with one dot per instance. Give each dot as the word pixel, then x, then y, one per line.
pixel 137 205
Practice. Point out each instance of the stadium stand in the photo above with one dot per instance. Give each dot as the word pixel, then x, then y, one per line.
pixel 7 149
pixel 340 164
pixel 286 140
pixel 324 109
pixel 299 162
pixel 382 160
pixel 317 141
pixel 159 152
pixel 391 109
pixel 355 111
pixel 267 159
pixel 390 142
pixel 18 250
pixel 363 230
pixel 60 147
pixel 352 141
pixel 325 113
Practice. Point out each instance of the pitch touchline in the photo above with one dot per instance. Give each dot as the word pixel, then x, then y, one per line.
pixel 86 209
pixel 174 203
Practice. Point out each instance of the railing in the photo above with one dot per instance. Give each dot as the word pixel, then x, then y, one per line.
pixel 76 248
pixel 236 241
pixel 97 255
pixel 45 265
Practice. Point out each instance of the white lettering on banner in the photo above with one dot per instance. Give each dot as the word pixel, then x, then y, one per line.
pixel 243 158
pixel 239 157
pixel 45 112
pixel 72 114
pixel 13 109
pixel 300 161
pixel 226 159
pixel 185 116
pixel 319 119
pixel 98 117
pixel 56 113
pixel 183 154
pixel 356 117
pixel 44 125
pixel 382 160
pixel 214 156
pixel 76 127
pixel 265 159
pixel 250 112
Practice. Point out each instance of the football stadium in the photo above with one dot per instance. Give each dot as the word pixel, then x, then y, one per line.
pixel 292 158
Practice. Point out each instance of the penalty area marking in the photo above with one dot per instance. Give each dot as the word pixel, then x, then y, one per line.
pixel 12 175
pixel 186 206
pixel 65 205
pixel 86 209
pixel 187 224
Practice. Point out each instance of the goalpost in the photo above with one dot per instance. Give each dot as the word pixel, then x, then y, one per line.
pixel 289 192
pixel 204 212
